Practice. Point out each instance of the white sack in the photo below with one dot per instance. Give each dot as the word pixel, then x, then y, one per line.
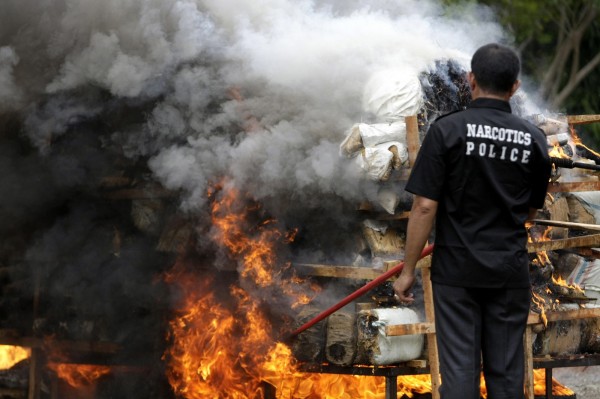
pixel 352 144
pixel 377 225
pixel 377 133
pixel 400 152
pixel 388 199
pixel 393 94
pixel 364 135
pixel 377 162
pixel 394 349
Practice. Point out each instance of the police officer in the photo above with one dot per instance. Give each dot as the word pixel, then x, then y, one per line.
pixel 480 174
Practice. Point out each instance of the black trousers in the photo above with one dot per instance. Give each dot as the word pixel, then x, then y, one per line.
pixel 481 326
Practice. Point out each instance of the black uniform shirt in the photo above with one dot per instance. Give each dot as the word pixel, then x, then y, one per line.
pixel 486 168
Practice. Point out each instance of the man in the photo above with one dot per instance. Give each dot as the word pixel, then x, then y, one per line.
pixel 480 174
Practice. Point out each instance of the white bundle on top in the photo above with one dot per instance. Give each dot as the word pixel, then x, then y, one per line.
pixel 390 95
pixel 380 147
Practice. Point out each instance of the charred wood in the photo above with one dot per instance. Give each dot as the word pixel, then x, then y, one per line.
pixel 309 345
pixel 340 346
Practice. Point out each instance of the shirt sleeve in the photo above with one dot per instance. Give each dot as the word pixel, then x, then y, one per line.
pixel 427 176
pixel 541 178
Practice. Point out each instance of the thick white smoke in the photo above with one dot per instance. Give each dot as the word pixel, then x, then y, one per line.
pixel 260 92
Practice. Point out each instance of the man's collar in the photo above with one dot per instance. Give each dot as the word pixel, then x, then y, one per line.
pixel 485 102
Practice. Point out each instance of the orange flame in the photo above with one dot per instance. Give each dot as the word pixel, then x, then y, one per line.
pixel 558 389
pixel 558 280
pixel 577 141
pixel 254 247
pixel 79 375
pixel 207 355
pixel 11 355
pixel 558 152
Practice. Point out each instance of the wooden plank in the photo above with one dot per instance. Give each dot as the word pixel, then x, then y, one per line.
pixel 434 363
pixel 592 240
pixel 410 329
pixel 35 374
pixel 12 393
pixel 571 225
pixel 581 119
pixel 592 185
pixel 412 138
pixel 62 345
pixel 568 360
pixel 54 387
pixel 351 272
pixel 417 363
pixel 585 313
pixel 528 348
pixel 587 252
pixel 397 216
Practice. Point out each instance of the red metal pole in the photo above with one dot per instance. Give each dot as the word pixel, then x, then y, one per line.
pixel 359 292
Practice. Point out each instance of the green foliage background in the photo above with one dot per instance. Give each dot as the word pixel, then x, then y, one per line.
pixel 540 30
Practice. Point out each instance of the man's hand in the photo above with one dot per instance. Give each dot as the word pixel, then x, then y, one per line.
pixel 402 287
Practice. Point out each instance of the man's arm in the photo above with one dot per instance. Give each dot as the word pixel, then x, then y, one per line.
pixel 420 223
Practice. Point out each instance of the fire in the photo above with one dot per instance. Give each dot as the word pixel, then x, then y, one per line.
pixel 254 246
pixel 540 304
pixel 79 375
pixel 207 356
pixel 217 352
pixel 222 342
pixel 577 141
pixel 558 389
pixel 558 280
pixel 11 355
pixel 558 152
pixel 223 339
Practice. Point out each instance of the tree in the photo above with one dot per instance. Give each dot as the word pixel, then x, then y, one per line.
pixel 572 61
pixel 559 43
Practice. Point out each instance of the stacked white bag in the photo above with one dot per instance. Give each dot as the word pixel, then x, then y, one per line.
pixel 379 148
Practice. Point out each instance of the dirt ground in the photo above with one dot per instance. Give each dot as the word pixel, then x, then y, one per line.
pixel 584 381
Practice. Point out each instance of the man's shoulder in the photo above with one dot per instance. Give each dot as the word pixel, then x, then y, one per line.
pixel 525 124
pixel 450 115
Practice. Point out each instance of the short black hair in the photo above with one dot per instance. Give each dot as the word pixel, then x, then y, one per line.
pixel 496 68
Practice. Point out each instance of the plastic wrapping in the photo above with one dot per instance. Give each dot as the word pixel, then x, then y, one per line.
pixel 352 144
pixel 388 199
pixel 377 162
pixel 382 349
pixel 378 133
pixel 392 94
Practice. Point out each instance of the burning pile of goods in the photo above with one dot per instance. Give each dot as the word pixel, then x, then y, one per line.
pixel 130 230
pixel 168 166
pixel 564 277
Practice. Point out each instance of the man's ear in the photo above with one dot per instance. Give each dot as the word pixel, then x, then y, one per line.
pixel 515 87
pixel 472 81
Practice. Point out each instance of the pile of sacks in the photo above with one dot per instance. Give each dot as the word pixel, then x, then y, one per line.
pixel 380 147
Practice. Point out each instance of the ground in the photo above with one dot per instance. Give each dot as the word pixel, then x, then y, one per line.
pixel 584 381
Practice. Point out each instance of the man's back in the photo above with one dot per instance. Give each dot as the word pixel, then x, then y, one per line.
pixel 487 167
